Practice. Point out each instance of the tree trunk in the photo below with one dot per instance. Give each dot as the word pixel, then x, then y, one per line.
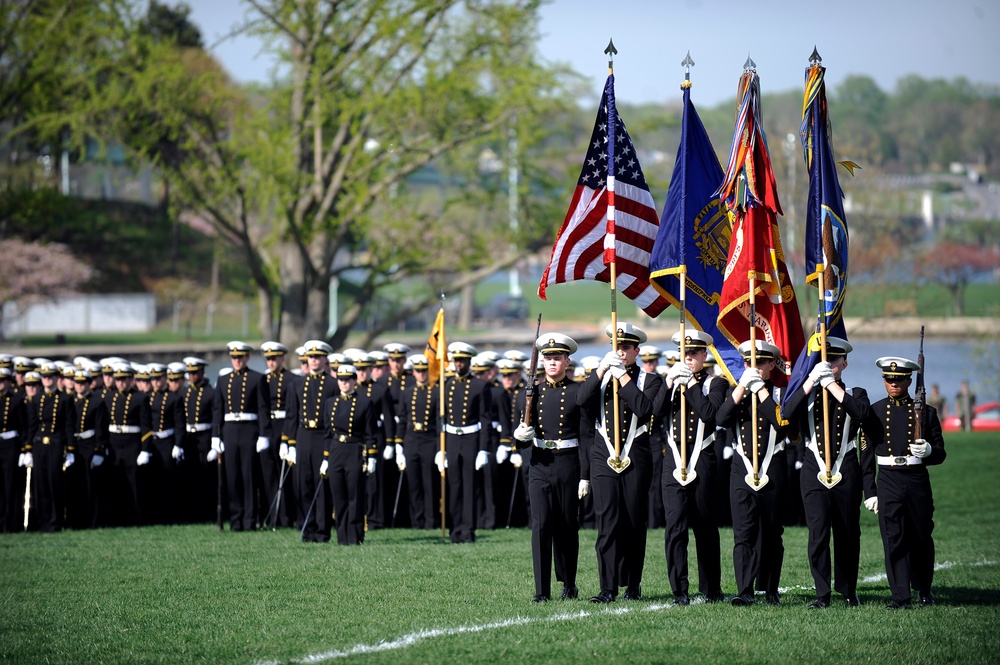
pixel 304 298
pixel 265 320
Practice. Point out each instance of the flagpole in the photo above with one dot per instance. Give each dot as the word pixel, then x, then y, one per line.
pixel 682 300
pixel 753 364
pixel 616 463
pixel 826 393
pixel 442 352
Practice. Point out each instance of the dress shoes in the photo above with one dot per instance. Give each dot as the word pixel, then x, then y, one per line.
pixel 682 599
pixel 820 603
pixel 539 598
pixel 851 600
pixel 926 599
pixel 898 605
pixel 715 598
pixel 569 592
pixel 742 601
pixel 772 599
pixel 603 597
pixel 633 593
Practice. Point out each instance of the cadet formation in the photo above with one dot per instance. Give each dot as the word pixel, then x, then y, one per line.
pixel 341 444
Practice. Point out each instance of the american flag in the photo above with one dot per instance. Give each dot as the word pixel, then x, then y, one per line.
pixel 612 217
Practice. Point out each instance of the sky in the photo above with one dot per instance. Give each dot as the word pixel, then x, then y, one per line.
pixel 884 39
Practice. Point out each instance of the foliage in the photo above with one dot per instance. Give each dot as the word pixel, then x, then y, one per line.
pixel 954 265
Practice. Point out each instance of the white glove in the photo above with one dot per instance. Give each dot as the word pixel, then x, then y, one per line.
pixel 524 433
pixel 680 374
pixel 290 456
pixel 388 452
pixel 750 374
pixel 143 458
pixel 826 380
pixel 440 461
pixel 482 459
pixel 920 448
pixel 609 360
pixel 263 443
pixel 177 453
pixel 283 451
pixel 400 458
pixel 727 452
pixel 370 466
pixel 755 385
pixel 872 504
pixel 819 371
pixel 217 445
pixel 96 461
pixel 29 461
pixel 211 455
pixel 617 371
pixel 502 452
pixel 583 489
pixel 323 468
pixel 69 461
pixel 20 459
pixel 515 460
pixel 798 464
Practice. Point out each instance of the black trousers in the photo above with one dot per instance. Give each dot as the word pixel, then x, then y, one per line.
pixel 657 517
pixel 621 507
pixel 347 487
pixel 836 510
pixel 422 478
pixel 375 489
pixel 85 488
pixel 486 508
pixel 239 458
pixel 310 446
pixel 463 485
pixel 48 483
pixel 758 551
pixel 555 531
pixel 268 470
pixel 162 501
pixel 11 486
pixel 126 495
pixel 906 520
pixel 690 507
pixel 198 479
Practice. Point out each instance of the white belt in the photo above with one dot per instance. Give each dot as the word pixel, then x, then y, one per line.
pixel 8 435
pixel 901 460
pixel 199 427
pixel 85 435
pixel 557 444
pixel 124 429
pixel 164 433
pixel 278 414
pixel 468 429
pixel 239 417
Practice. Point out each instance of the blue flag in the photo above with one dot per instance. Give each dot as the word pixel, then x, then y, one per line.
pixel 826 226
pixel 693 240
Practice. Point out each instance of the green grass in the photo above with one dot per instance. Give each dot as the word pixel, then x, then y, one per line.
pixel 186 594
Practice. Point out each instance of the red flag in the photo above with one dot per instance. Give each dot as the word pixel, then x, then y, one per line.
pixel 595 232
pixel 755 247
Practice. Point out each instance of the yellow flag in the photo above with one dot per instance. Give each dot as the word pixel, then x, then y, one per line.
pixel 437 348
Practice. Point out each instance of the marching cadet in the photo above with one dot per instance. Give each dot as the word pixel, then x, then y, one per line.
pixel 902 447
pixel 241 430
pixel 85 479
pixel 141 377
pixel 280 384
pixel 349 426
pixel 166 410
pixel 200 477
pixel 67 371
pixel 468 411
pixel 300 353
pixel 834 502
pixel 381 366
pixel 51 447
pixel 620 478
pixel 756 495
pixel 483 367
pixel 380 486
pixel 391 386
pixel 556 462
pixel 689 467
pixel 307 442
pixel 13 434
pixel 32 381
pixel 417 413
pixel 129 429
pixel 23 365
pixel 649 356
pixel 107 376
pixel 512 378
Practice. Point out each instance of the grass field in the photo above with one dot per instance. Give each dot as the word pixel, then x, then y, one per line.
pixel 192 594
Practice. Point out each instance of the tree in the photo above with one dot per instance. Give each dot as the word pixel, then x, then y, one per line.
pixel 954 265
pixel 321 165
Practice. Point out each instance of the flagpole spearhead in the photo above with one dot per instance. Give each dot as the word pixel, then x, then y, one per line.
pixel 749 65
pixel 612 52
pixel 687 63
pixel 815 59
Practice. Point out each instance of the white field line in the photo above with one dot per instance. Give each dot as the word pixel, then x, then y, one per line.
pixel 413 638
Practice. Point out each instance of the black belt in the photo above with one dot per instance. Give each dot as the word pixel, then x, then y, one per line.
pixel 343 438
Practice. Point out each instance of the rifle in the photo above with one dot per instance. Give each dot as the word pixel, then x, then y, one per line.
pixel 530 393
pixel 920 393
pixel 218 505
pixel 27 498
